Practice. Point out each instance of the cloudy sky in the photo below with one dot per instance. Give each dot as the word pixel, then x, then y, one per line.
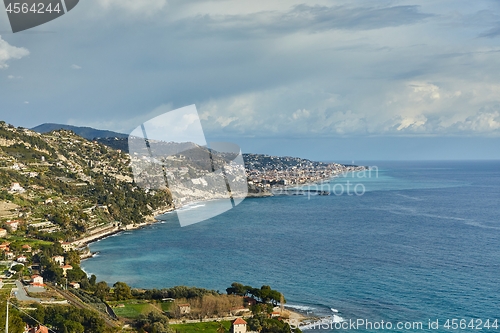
pixel 319 79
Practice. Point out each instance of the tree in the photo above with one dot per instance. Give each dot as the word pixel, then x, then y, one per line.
pixel 18 268
pixel 72 258
pixel 265 293
pixel 92 280
pixel 16 323
pixel 254 324
pixel 122 291
pixel 101 290
pixel 74 327
pixel 75 274
pixel 276 297
pixel 52 272
pixel 237 289
pixel 153 322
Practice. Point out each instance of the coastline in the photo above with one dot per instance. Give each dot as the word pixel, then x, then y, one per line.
pixel 305 320
pixel 151 219
pixel 116 229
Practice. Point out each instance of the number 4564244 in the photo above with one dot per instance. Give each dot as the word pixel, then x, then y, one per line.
pixel 36 8
pixel 474 324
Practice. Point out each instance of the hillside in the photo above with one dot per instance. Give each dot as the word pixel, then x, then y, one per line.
pixel 60 186
pixel 58 191
pixel 88 133
pixel 111 139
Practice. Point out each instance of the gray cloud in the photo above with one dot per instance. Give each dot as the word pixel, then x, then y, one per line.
pixel 302 18
pixel 491 33
pixel 311 70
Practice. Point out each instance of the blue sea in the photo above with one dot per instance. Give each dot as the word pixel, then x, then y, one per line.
pixel 416 242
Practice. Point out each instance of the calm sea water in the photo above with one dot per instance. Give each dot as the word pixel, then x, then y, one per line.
pixel 422 242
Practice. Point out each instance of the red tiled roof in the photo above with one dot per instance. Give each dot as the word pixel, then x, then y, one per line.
pixel 40 329
pixel 239 321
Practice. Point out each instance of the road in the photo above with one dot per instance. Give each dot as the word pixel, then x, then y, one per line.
pixel 21 294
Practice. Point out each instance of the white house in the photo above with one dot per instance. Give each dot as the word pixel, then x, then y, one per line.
pixel 184 309
pixel 21 259
pixel 17 188
pixel 239 325
pixel 58 260
pixel 67 246
pixel 75 285
pixel 13 224
pixel 37 281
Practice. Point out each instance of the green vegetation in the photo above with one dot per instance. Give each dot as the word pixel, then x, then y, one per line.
pixel 153 322
pixel 166 306
pixel 68 319
pixel 174 292
pixel 132 309
pixel 265 294
pixel 144 312
pixel 203 327
pixel 263 324
pixel 16 323
pixel 73 184
pixel 89 299
pixel 59 187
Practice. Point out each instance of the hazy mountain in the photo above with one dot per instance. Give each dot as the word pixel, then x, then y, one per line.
pixel 88 133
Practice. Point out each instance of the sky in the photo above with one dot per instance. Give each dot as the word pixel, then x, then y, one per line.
pixel 327 80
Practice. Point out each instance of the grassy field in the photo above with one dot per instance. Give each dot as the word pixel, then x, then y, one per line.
pixel 5 292
pixel 29 241
pixel 205 327
pixel 166 306
pixel 133 308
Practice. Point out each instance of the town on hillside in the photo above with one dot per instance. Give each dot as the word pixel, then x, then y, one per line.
pixel 59 191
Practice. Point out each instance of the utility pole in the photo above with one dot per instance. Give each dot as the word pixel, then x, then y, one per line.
pixel 7 318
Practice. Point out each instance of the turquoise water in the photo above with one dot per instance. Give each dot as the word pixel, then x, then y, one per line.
pixel 421 243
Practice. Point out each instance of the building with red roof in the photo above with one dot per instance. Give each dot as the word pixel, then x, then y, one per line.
pixel 37 329
pixel 37 281
pixel 239 325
